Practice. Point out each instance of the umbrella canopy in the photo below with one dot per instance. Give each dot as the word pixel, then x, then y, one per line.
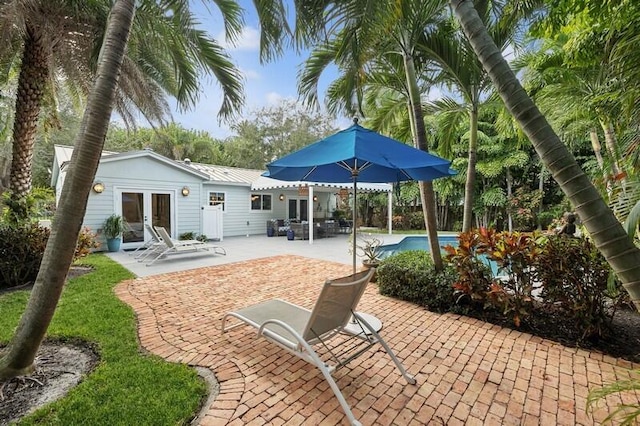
pixel 371 156
pixel 359 154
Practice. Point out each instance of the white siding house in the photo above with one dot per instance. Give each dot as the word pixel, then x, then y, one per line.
pixel 147 188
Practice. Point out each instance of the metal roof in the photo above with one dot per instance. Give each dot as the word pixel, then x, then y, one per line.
pixel 63 153
pixel 224 174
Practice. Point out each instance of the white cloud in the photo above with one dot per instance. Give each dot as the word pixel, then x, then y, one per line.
pixel 249 40
pixel 274 98
pixel 250 74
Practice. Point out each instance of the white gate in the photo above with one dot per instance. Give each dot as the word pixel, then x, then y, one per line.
pixel 212 222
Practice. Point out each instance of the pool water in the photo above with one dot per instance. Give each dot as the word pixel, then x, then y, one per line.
pixel 421 242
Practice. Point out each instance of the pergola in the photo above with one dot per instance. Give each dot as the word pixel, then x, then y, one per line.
pixel 264 183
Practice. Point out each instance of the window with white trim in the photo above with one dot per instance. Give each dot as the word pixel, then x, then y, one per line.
pixel 260 202
pixel 217 198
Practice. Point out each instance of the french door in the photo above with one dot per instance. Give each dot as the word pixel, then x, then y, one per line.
pixel 144 207
pixel 298 208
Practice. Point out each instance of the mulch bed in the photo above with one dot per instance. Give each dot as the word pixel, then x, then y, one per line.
pixel 619 339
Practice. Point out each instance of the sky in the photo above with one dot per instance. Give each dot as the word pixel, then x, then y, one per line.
pixel 264 84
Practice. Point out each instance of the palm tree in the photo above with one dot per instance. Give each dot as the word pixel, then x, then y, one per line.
pixel 578 95
pixel 606 231
pixel 461 72
pixel 19 356
pixel 376 36
pixel 57 39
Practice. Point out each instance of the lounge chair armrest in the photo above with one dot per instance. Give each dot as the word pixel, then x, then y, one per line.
pixel 276 322
pixel 282 339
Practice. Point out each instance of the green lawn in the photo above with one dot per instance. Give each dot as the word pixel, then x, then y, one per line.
pixel 128 387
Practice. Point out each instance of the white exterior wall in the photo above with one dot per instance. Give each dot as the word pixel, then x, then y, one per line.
pixel 145 174
pixel 238 218
pixel 140 173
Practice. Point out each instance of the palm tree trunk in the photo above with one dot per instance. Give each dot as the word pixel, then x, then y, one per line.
pixel 509 197
pixel 612 149
pixel 541 190
pixel 597 151
pixel 426 188
pixel 19 357
pixel 31 86
pixel 597 148
pixel 471 169
pixel 605 230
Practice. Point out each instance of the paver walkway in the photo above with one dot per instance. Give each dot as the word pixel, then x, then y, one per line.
pixel 468 372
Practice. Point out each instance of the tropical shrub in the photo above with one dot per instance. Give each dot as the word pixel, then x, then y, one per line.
pixel 192 236
pixel 514 254
pixel 524 204
pixel 411 276
pixel 22 247
pixel 21 250
pixel 564 273
pixel 187 236
pixel 574 277
pixel 546 218
pixel 474 275
pixel 400 222
pixel 17 211
pixel 44 202
pixel 87 241
pixel 416 220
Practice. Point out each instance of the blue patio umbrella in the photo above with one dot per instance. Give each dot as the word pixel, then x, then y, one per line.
pixel 359 154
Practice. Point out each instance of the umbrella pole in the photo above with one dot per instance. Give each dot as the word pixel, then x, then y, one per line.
pixel 354 217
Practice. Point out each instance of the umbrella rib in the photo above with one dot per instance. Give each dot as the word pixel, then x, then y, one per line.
pixel 354 170
pixel 308 173
pixel 405 174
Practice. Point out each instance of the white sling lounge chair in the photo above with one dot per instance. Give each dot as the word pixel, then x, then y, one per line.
pixel 172 246
pixel 298 330
pixel 149 246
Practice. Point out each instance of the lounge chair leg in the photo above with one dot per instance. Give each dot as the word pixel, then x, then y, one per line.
pixel 312 356
pixel 334 387
pixel 408 377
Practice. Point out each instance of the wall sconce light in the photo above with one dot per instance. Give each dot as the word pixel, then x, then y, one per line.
pixel 185 191
pixel 281 197
pixel 315 198
pixel 98 187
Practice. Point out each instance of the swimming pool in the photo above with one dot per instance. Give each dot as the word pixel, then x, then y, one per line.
pixel 421 242
pixel 416 242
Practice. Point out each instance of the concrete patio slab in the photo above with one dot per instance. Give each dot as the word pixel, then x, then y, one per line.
pixel 468 372
pixel 335 249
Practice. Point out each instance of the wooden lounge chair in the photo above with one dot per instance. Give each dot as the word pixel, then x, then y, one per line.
pixel 172 246
pixel 333 326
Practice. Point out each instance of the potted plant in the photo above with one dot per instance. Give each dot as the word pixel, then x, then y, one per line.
pixel 369 249
pixel 112 229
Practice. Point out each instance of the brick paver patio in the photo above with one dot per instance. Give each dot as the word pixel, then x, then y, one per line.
pixel 468 372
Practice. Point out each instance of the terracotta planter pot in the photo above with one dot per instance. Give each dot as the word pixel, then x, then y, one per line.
pixel 372 264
